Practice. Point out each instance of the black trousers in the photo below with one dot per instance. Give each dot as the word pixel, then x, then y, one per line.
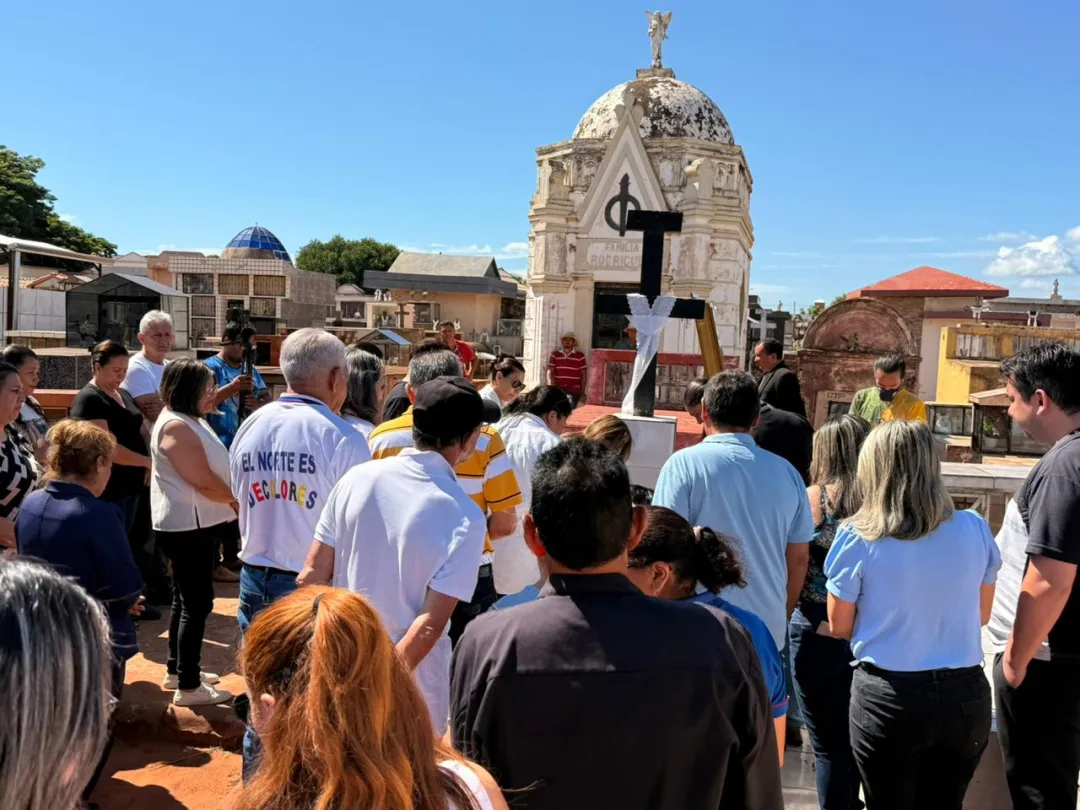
pixel 917 737
pixel 230 544
pixel 1039 730
pixel 193 555
pixel 119 669
pixel 482 599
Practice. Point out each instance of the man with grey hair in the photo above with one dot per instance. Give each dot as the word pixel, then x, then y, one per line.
pixel 145 368
pixel 486 475
pixel 284 461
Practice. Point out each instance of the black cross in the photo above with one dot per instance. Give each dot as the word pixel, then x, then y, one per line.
pixel 654 224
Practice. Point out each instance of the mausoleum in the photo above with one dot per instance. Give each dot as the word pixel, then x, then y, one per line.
pixel 653 143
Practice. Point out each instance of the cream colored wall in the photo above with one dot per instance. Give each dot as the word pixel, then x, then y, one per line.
pixel 931 351
pixel 479 313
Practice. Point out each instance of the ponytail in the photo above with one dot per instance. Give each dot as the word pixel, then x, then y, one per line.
pixel 698 555
pixel 714 562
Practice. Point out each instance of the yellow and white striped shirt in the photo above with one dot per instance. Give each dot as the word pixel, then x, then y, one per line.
pixel 487 476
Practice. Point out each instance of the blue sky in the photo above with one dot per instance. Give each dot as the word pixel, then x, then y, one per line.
pixel 881 135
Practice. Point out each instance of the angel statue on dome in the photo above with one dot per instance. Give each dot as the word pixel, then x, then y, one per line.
pixel 658 25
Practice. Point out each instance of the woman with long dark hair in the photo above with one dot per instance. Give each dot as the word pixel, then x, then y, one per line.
pixel 821 664
pixel 342 722
pixel 366 390
pixel 531 424
pixel 507 380
pixel 675 560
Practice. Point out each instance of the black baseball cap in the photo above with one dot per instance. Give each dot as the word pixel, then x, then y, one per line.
pixel 448 407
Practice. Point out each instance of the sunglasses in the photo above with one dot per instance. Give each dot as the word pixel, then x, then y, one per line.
pixel 517 385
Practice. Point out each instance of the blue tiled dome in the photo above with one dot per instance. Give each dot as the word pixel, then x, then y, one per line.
pixel 256 242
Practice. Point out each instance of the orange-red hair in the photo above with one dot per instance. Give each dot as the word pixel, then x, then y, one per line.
pixel 349 729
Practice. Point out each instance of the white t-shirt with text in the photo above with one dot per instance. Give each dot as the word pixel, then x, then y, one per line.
pixel 143 377
pixel 399 526
pixel 284 461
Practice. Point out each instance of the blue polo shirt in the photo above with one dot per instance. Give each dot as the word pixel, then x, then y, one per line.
pixel 916 601
pixel 226 422
pixel 731 485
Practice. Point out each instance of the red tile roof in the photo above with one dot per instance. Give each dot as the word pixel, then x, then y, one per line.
pixel 929 282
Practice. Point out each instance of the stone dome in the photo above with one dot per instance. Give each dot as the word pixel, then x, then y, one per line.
pixel 256 242
pixel 672 109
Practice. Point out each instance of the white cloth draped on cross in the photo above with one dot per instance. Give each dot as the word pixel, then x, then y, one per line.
pixel 649 323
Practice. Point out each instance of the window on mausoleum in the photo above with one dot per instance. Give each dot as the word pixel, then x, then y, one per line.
pixel 198 283
pixel 203 306
pixel 269 285
pixel 233 284
pixel 263 307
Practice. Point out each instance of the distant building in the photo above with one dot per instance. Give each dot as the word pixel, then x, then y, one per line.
pixel 255 274
pixel 928 299
pixel 1054 311
pixel 486 302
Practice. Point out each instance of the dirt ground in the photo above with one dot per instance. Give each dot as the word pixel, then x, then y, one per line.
pixel 167 758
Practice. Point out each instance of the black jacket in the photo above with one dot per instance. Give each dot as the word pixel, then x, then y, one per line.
pixel 780 388
pixel 786 434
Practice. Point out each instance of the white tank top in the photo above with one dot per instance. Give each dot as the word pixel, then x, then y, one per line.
pixel 175 505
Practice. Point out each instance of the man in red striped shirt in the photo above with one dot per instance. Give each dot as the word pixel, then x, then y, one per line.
pixel 566 369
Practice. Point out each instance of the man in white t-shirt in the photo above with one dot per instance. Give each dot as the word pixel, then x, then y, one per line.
pixel 402 532
pixel 284 461
pixel 145 368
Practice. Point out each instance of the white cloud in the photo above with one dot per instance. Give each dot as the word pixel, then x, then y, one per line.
pixel 898 240
pixel 1007 236
pixel 70 219
pixel 1036 284
pixel 513 250
pixel 1073 235
pixel 1051 256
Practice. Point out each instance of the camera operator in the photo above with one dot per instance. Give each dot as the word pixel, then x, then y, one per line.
pixel 230 372
pixel 230 367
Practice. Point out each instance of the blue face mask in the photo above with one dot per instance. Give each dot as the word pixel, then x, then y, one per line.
pixel 887 395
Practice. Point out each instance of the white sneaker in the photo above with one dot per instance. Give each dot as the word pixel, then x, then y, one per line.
pixel 204 695
pixel 173 681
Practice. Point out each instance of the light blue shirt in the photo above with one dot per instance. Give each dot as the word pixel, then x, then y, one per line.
pixel 731 485
pixel 916 601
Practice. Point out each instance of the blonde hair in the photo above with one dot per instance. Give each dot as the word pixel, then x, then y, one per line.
pixel 836 460
pixel 612 433
pixel 76 448
pixel 904 495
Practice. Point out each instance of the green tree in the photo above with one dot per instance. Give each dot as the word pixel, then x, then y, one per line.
pixel 26 208
pixel 348 259
pixel 838 299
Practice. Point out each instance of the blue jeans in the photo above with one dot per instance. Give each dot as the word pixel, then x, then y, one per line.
pixel 258 589
pixel 823 673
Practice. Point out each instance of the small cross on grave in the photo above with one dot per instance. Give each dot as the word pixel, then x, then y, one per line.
pixel 654 224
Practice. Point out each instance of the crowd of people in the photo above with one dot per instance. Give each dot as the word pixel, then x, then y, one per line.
pixel 449 599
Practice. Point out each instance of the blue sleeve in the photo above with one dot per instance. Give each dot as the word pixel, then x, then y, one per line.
pixel 844 565
pixel 672 490
pixel 771 666
pixel 802 527
pixel 993 553
pixel 121 581
pixel 260 386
